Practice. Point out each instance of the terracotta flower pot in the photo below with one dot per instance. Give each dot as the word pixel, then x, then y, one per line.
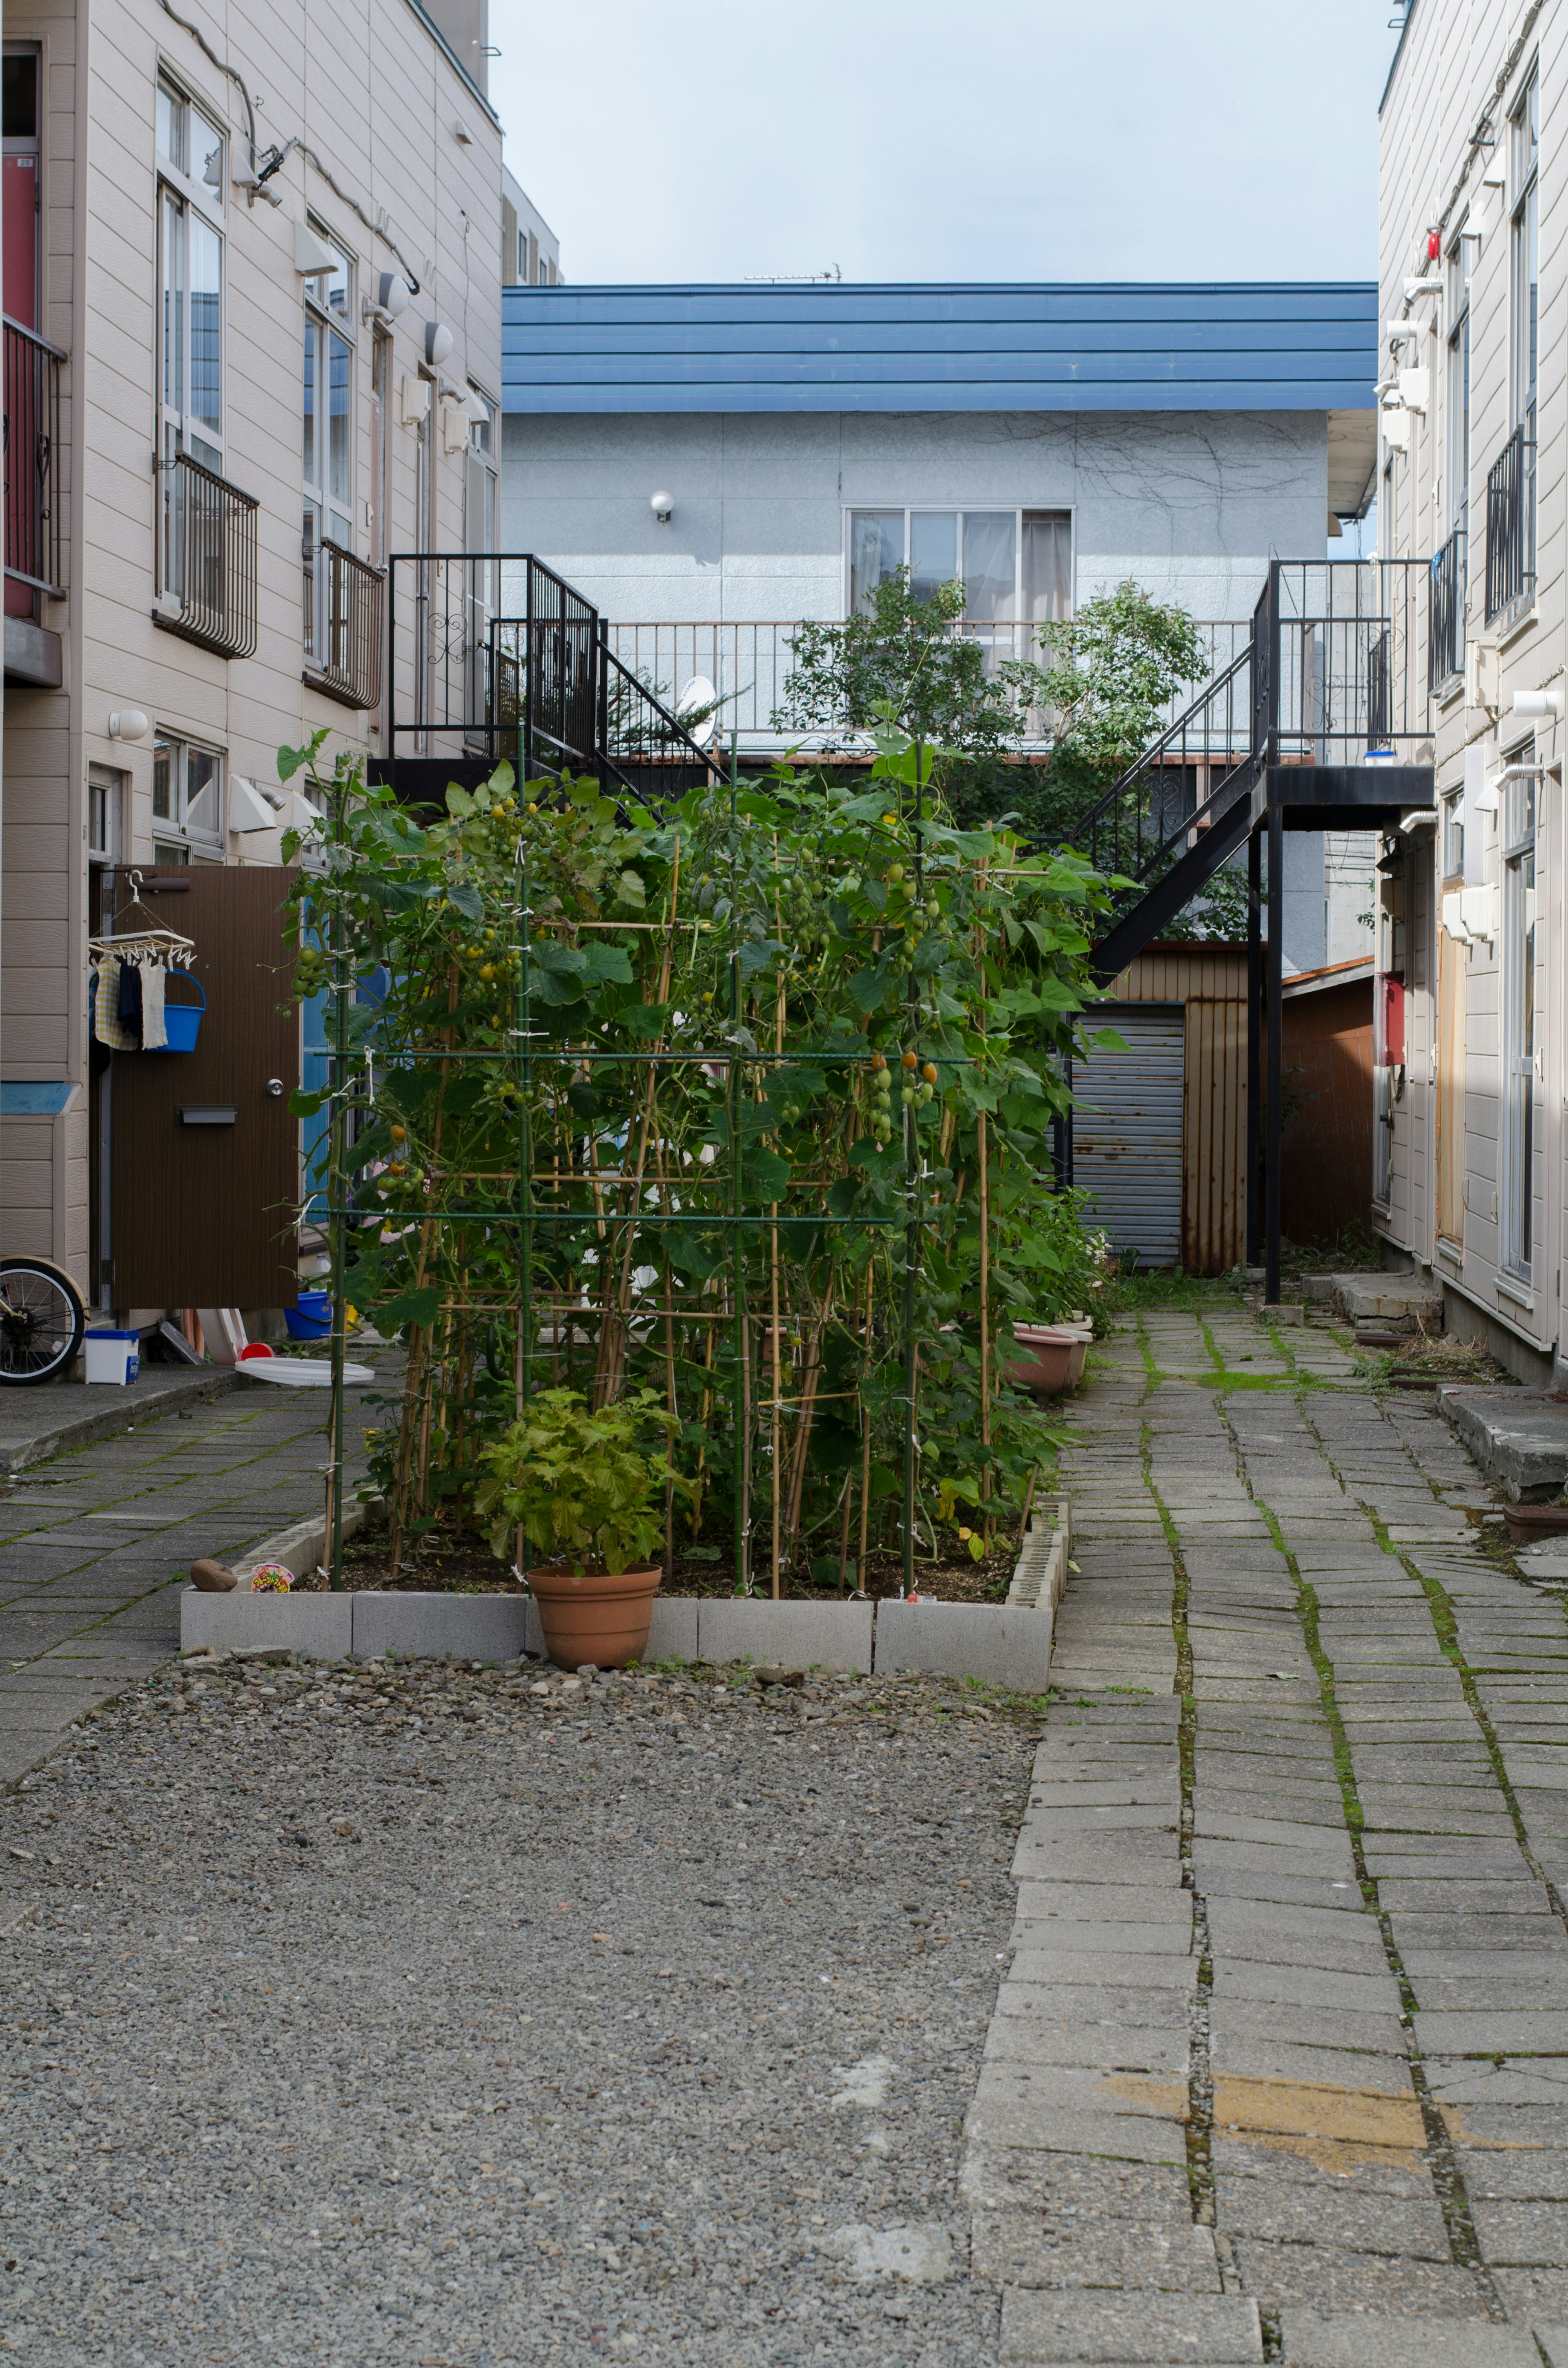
pixel 1046 1362
pixel 594 1617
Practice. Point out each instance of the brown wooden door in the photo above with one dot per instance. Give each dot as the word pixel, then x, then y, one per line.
pixel 203 1214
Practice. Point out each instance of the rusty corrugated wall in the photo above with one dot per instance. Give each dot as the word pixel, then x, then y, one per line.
pixel 1210 980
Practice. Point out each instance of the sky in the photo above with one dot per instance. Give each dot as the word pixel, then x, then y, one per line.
pixel 905 140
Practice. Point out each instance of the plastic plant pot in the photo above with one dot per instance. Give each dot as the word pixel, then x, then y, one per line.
pixel 592 1615
pixel 1045 1363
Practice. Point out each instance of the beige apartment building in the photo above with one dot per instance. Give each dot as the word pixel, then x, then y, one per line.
pixel 1470 1143
pixel 252 297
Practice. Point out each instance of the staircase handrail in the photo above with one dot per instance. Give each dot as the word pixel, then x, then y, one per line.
pixel 1172 736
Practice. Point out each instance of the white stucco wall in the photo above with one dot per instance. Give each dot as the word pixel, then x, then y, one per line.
pixel 1191 504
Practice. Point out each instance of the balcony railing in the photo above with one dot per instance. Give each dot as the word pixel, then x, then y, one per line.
pixel 747 666
pixel 1445 613
pixel 34 456
pixel 347 638
pixel 209 546
pixel 1510 525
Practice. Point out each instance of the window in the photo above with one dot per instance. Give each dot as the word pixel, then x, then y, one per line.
pixel 1516 1181
pixel 1458 406
pixel 380 447
pixel 1453 834
pixel 481 534
pixel 190 313
pixel 328 432
pixel 105 807
pixel 188 799
pixel 1015 565
pixel 21 184
pixel 1524 148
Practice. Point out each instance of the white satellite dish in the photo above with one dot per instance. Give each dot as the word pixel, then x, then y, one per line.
pixel 698 694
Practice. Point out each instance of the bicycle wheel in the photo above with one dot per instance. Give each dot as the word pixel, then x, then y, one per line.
pixel 41 1320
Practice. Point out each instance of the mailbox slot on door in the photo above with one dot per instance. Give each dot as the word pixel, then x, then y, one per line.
pixel 207 1114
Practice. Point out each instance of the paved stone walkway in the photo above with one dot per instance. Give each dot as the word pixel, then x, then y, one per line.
pixel 95 1547
pixel 1280 2068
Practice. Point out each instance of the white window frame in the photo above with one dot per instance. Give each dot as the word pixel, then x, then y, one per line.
pixel 1017 624
pixel 1456 390
pixel 1521 1017
pixel 1524 297
pixel 328 506
pixel 105 813
pixel 183 203
pixel 175 830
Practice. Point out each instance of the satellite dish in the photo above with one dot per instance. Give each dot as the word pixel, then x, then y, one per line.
pixel 698 694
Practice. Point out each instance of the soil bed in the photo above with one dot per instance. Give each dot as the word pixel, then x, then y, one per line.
pixel 465 1566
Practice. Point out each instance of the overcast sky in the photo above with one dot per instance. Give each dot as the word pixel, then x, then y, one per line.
pixel 908 139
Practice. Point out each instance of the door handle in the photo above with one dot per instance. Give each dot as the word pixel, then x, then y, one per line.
pixel 274 1087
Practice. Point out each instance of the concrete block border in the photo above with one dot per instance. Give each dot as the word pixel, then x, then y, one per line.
pixel 999 1644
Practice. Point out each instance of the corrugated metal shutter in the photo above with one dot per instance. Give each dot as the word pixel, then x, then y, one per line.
pixel 1127 1132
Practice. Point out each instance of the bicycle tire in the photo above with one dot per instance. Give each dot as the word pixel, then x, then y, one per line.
pixel 42 1322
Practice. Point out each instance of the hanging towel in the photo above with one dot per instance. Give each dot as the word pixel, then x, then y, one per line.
pixel 130 1001
pixel 154 1035
pixel 107 1026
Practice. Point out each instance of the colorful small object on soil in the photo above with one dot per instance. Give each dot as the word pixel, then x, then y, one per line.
pixel 271 1579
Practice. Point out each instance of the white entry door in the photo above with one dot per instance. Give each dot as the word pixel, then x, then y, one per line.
pixel 1126 1130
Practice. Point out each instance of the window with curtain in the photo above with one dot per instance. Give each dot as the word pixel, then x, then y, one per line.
pixel 1015 565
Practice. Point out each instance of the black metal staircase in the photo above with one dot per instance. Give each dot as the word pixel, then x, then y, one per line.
pixel 1323 723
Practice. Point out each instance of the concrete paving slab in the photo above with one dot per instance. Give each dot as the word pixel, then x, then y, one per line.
pixel 1360 2341
pixel 1148 2330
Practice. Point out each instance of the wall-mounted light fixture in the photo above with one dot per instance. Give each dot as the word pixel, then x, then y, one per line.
pixel 662 507
pixel 438 342
pixel 128 723
pixel 391 297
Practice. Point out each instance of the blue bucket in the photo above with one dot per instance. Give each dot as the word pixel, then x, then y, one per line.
pixel 311 1319
pixel 181 1021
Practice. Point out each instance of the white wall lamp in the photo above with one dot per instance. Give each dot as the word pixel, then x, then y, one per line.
pixel 438 342
pixel 662 507
pixel 389 299
pixel 128 723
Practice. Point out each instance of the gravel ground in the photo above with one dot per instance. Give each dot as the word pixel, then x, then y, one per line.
pixel 426 2015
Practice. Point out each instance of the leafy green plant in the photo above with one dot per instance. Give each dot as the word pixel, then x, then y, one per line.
pixel 776 1061
pixel 581 1486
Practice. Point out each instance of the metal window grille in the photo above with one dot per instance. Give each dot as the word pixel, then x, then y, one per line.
pixel 212 529
pixel 350 665
pixel 1509 561
pixel 34 455
pixel 1445 613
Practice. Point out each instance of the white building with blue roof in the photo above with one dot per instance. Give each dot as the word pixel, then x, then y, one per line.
pixel 1042 440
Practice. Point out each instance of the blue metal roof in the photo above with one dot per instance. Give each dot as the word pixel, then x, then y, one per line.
pixel 1027 346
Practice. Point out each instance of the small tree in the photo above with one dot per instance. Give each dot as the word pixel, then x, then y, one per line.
pixel 1111 672
pixel 900 661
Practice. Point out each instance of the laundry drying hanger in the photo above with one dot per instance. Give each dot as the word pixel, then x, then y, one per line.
pixel 152 941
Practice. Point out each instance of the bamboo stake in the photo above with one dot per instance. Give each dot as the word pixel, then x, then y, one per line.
pixel 778 1385
pixel 984 1319
pixel 865 1434
pixel 807 1406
